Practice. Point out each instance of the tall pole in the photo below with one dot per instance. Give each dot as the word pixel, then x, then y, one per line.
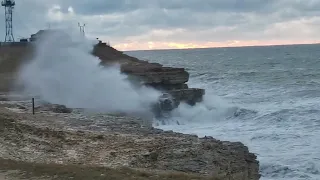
pixel 32 105
pixel 8 5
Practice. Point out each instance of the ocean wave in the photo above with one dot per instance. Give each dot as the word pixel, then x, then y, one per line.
pixel 205 113
pixel 276 171
pixel 241 112
pixel 271 104
pixel 311 167
pixel 304 171
pixel 275 137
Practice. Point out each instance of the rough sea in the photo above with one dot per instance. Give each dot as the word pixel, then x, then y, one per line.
pixel 265 97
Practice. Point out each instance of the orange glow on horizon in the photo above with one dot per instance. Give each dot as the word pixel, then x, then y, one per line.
pixel 192 45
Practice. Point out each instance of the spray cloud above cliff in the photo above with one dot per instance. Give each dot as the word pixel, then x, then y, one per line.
pixel 63 71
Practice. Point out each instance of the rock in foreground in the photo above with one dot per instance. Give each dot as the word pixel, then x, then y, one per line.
pixel 119 141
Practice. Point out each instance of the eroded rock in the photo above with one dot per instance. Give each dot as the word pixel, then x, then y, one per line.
pixel 167 79
pixel 118 144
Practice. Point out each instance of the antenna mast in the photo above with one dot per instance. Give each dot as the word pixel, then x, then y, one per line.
pixel 82 32
pixel 8 5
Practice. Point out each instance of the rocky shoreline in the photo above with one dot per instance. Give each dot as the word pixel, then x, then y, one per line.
pixel 115 141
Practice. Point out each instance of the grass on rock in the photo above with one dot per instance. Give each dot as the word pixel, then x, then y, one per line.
pixel 84 172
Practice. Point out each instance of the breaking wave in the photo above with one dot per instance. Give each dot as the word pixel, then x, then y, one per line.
pixel 273 93
pixel 211 109
pixel 64 72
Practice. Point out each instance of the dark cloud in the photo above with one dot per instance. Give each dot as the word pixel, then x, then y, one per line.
pixel 96 7
pixel 120 6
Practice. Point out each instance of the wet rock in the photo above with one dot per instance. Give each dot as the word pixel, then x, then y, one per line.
pixel 190 96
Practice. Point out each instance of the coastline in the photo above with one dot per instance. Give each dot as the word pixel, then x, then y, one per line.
pixel 115 141
pixel 85 139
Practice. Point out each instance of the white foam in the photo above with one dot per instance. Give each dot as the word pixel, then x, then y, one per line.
pixel 64 72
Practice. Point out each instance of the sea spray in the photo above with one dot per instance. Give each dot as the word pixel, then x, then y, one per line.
pixel 211 109
pixel 63 71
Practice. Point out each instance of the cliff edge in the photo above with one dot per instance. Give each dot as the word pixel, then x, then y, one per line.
pixel 166 79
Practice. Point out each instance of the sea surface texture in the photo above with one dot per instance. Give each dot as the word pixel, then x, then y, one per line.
pixel 265 97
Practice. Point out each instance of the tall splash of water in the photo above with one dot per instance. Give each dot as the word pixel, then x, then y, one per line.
pixel 64 72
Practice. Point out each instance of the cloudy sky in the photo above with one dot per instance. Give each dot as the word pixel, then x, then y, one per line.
pixel 162 24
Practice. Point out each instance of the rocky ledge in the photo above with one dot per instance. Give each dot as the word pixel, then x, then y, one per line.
pixel 167 79
pixel 113 141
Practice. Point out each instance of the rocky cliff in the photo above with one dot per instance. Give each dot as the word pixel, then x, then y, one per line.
pixel 166 79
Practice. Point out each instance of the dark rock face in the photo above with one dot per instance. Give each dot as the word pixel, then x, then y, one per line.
pixel 191 95
pixel 165 105
pixel 166 79
pixel 156 74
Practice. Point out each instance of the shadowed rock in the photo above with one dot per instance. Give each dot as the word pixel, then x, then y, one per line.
pixel 166 79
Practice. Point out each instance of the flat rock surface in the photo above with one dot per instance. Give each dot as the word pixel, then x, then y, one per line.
pixel 116 141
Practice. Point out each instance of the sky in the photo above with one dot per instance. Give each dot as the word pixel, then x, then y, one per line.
pixel 174 24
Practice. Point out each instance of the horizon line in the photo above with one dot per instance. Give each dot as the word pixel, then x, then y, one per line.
pixel 216 47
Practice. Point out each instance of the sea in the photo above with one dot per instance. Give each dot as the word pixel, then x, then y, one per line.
pixel 268 98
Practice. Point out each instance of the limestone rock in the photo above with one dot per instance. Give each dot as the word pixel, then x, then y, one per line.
pixel 168 87
pixel 156 74
pixel 167 79
pixel 118 141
